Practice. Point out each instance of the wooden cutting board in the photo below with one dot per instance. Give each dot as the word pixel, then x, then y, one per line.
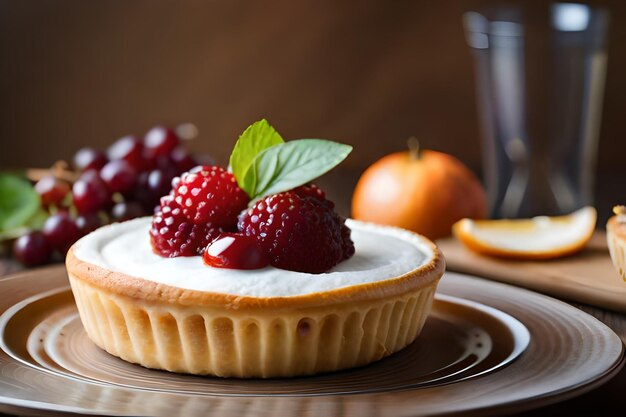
pixel 587 277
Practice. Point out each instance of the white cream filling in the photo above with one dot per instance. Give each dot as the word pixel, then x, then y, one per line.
pixel 381 253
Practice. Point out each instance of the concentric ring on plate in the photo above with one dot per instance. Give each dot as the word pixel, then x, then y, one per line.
pixel 541 375
pixel 460 340
pixel 166 326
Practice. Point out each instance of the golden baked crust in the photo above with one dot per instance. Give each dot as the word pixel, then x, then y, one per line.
pixel 617 227
pixel 616 239
pixel 181 330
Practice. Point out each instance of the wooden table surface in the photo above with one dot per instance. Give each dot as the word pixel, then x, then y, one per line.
pixel 605 400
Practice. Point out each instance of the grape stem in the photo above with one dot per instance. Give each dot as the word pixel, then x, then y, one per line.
pixel 59 169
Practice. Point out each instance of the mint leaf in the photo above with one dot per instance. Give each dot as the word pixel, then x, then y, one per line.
pixel 290 164
pixel 256 138
pixel 19 202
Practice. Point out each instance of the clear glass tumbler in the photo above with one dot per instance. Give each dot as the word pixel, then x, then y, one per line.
pixel 540 86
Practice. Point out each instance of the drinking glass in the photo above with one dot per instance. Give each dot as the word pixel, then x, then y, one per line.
pixel 540 86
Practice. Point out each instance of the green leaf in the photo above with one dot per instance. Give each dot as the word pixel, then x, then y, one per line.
pixel 291 164
pixel 13 233
pixel 256 138
pixel 35 222
pixel 19 202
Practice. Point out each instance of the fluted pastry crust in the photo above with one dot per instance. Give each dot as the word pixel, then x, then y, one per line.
pixel 182 330
pixel 616 239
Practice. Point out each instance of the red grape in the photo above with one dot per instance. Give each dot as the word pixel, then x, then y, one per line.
pixel 119 176
pixel 90 193
pixel 126 211
pixel 142 170
pixel 183 161
pixel 130 149
pixel 160 141
pixel 32 249
pixel 160 182
pixel 166 164
pixel 153 185
pixel 60 231
pixel 86 223
pixel 89 158
pixel 51 190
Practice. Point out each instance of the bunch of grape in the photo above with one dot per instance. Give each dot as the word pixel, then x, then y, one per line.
pixel 122 183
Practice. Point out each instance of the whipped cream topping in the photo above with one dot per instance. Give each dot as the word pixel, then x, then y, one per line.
pixel 381 253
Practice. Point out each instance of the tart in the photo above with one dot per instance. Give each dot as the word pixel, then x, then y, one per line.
pixel 616 238
pixel 180 315
pixel 249 272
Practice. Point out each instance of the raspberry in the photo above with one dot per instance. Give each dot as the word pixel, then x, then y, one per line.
pixel 298 233
pixel 347 243
pixel 172 234
pixel 210 195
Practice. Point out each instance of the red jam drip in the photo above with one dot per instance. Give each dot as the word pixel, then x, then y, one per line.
pixel 235 251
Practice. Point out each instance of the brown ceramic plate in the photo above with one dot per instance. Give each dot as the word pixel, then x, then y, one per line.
pixel 472 356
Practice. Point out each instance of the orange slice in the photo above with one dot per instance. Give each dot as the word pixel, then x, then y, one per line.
pixel 537 238
pixel 616 238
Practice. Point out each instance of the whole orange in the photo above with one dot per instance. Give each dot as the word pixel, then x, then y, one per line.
pixel 426 192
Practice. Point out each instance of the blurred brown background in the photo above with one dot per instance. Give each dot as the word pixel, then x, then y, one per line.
pixel 367 73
